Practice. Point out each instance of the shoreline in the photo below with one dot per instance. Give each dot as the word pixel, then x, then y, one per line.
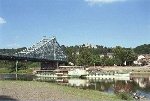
pixel 124 68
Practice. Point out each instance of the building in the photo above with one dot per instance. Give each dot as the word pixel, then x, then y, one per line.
pixel 88 45
pixel 142 58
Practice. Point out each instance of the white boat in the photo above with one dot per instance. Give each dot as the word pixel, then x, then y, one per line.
pixel 116 75
pixel 63 71
pixel 75 70
pixel 122 74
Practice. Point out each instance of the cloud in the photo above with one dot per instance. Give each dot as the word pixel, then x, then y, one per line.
pixel 16 37
pixel 92 2
pixel 12 45
pixel 2 21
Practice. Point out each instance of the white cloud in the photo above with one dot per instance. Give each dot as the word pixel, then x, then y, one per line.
pixel 2 21
pixel 16 37
pixel 12 45
pixel 92 2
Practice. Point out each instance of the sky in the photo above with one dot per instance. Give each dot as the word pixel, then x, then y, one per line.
pixel 109 23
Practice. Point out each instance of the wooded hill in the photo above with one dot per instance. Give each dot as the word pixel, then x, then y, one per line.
pixel 82 55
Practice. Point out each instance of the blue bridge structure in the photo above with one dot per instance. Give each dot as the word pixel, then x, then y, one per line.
pixel 47 51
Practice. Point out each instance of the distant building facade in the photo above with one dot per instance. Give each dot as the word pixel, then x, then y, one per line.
pixel 142 58
pixel 88 45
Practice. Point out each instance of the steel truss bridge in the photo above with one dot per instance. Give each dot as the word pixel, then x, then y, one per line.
pixel 47 51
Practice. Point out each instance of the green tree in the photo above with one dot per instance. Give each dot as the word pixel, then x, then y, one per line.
pixel 119 53
pixel 84 57
pixel 142 49
pixel 103 60
pixel 130 56
pixel 109 62
pixel 117 61
pixel 124 56
pixel 95 59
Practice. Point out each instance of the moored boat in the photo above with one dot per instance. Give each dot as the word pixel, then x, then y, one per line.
pixel 76 71
pixel 63 71
pixel 115 75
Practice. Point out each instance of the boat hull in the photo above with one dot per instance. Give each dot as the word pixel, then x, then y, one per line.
pixel 77 72
pixel 118 75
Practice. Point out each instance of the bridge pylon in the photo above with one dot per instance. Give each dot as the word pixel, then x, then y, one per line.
pixel 48 52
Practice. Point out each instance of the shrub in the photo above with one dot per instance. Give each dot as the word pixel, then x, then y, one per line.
pixel 5 70
pixel 124 96
pixel 25 71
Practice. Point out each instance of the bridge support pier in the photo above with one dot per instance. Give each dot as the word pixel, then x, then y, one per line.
pixel 50 65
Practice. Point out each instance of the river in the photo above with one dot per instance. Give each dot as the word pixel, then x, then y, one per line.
pixel 140 85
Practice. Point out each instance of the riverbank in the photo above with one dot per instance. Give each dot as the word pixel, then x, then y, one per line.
pixel 33 90
pixel 135 70
pixel 6 70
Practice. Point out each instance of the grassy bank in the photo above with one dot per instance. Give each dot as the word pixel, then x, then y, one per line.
pixel 5 70
pixel 33 90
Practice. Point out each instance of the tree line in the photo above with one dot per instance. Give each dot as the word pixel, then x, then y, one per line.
pixel 99 56
pixel 81 55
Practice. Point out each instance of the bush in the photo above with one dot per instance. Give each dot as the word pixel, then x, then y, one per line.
pixel 5 70
pixel 25 71
pixel 144 63
pixel 125 96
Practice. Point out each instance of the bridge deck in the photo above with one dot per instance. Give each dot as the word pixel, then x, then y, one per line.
pixel 15 57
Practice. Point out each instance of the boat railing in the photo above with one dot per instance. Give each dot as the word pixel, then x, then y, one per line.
pixel 72 67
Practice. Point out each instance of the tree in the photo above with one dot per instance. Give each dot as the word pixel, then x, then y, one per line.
pixel 130 56
pixel 117 61
pixel 84 57
pixel 103 60
pixel 119 53
pixel 95 59
pixel 124 55
pixel 109 62
pixel 143 49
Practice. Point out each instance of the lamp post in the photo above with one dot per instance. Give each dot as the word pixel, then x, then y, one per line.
pixel 16 68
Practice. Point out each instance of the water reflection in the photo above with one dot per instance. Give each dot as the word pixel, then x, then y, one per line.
pixel 142 86
pixel 142 82
pixel 74 82
pixel 25 77
pixel 113 86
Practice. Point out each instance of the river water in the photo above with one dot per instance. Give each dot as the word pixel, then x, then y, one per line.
pixel 139 85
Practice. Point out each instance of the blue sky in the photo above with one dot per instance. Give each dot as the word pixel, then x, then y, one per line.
pixel 110 23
